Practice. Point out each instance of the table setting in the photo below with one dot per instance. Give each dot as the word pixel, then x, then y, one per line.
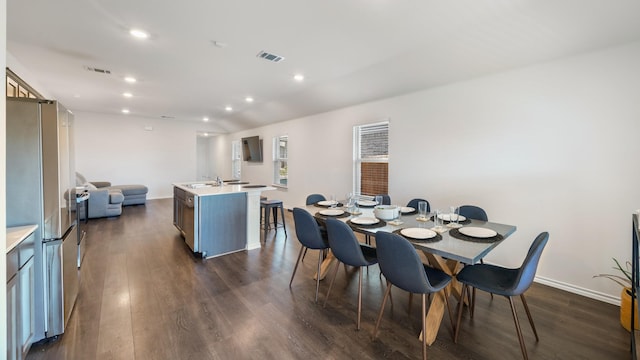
pixel 447 239
pixel 418 234
pixel 328 204
pixel 476 234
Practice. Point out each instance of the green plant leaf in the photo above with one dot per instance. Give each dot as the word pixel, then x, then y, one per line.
pixel 624 282
pixel 626 272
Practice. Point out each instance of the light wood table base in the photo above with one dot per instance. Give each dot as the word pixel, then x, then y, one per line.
pixel 438 305
pixel 326 264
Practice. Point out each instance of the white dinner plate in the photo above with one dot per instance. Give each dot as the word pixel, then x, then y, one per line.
pixel 418 233
pixel 365 220
pixel 331 212
pixel 367 203
pixel 327 202
pixel 477 232
pixel 407 209
pixel 447 217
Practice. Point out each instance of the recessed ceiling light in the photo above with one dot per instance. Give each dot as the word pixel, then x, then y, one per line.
pixel 127 94
pixel 248 99
pixel 130 79
pixel 205 119
pixel 125 111
pixel 298 77
pixel 228 108
pixel 138 33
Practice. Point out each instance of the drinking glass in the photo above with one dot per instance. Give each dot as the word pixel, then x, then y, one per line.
pixel 436 218
pixel 349 199
pixel 453 216
pixel 379 199
pixel 333 201
pixel 422 210
pixel 396 214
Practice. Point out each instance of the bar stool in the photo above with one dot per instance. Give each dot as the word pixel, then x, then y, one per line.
pixel 272 205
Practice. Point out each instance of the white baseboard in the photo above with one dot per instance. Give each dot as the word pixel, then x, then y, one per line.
pixel 614 300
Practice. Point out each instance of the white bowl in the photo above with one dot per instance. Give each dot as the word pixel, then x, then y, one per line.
pixel 386 212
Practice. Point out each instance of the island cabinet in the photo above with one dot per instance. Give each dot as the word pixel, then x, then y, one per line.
pixel 221 223
pixel 20 291
pixel 215 220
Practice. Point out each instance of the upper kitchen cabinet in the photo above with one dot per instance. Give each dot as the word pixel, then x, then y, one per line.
pixel 16 87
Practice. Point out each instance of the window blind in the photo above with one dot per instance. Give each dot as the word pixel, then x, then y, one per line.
pixel 374 141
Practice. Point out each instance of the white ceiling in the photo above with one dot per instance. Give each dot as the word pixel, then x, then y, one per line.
pixel 351 51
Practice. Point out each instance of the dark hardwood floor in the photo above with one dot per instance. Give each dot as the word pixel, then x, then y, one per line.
pixel 145 296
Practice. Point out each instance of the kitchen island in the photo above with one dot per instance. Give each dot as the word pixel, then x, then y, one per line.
pixel 218 219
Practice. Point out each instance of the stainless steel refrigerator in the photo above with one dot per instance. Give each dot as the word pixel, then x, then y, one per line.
pixel 41 190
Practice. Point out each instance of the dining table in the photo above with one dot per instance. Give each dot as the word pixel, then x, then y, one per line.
pixel 451 248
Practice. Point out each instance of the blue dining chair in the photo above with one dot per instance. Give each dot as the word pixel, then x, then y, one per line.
pixel 506 282
pixel 413 203
pixel 314 198
pixel 309 235
pixel 401 266
pixel 473 212
pixel 349 251
pixel 476 213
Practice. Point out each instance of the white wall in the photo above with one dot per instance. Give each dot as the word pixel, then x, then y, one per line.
pixel 117 148
pixel 551 147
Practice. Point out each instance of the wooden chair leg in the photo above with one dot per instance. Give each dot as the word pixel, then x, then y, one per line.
pixel 359 297
pixel 472 303
pixel 335 272
pixel 424 326
pixel 446 300
pixel 320 258
pixel 460 306
pixel 390 294
pixel 518 330
pixel 384 302
pixel 302 249
pixel 526 308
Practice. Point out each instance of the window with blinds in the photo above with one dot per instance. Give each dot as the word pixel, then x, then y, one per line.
pixel 371 165
pixel 236 159
pixel 280 165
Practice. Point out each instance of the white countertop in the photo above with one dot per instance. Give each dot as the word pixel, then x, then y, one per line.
pixel 192 187
pixel 16 234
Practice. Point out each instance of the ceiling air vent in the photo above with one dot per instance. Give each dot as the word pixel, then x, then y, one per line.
pixel 101 71
pixel 268 56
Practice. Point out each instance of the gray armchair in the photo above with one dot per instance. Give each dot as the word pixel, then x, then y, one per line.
pixel 104 202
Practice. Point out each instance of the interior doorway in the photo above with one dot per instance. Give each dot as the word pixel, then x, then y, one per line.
pixel 205 163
